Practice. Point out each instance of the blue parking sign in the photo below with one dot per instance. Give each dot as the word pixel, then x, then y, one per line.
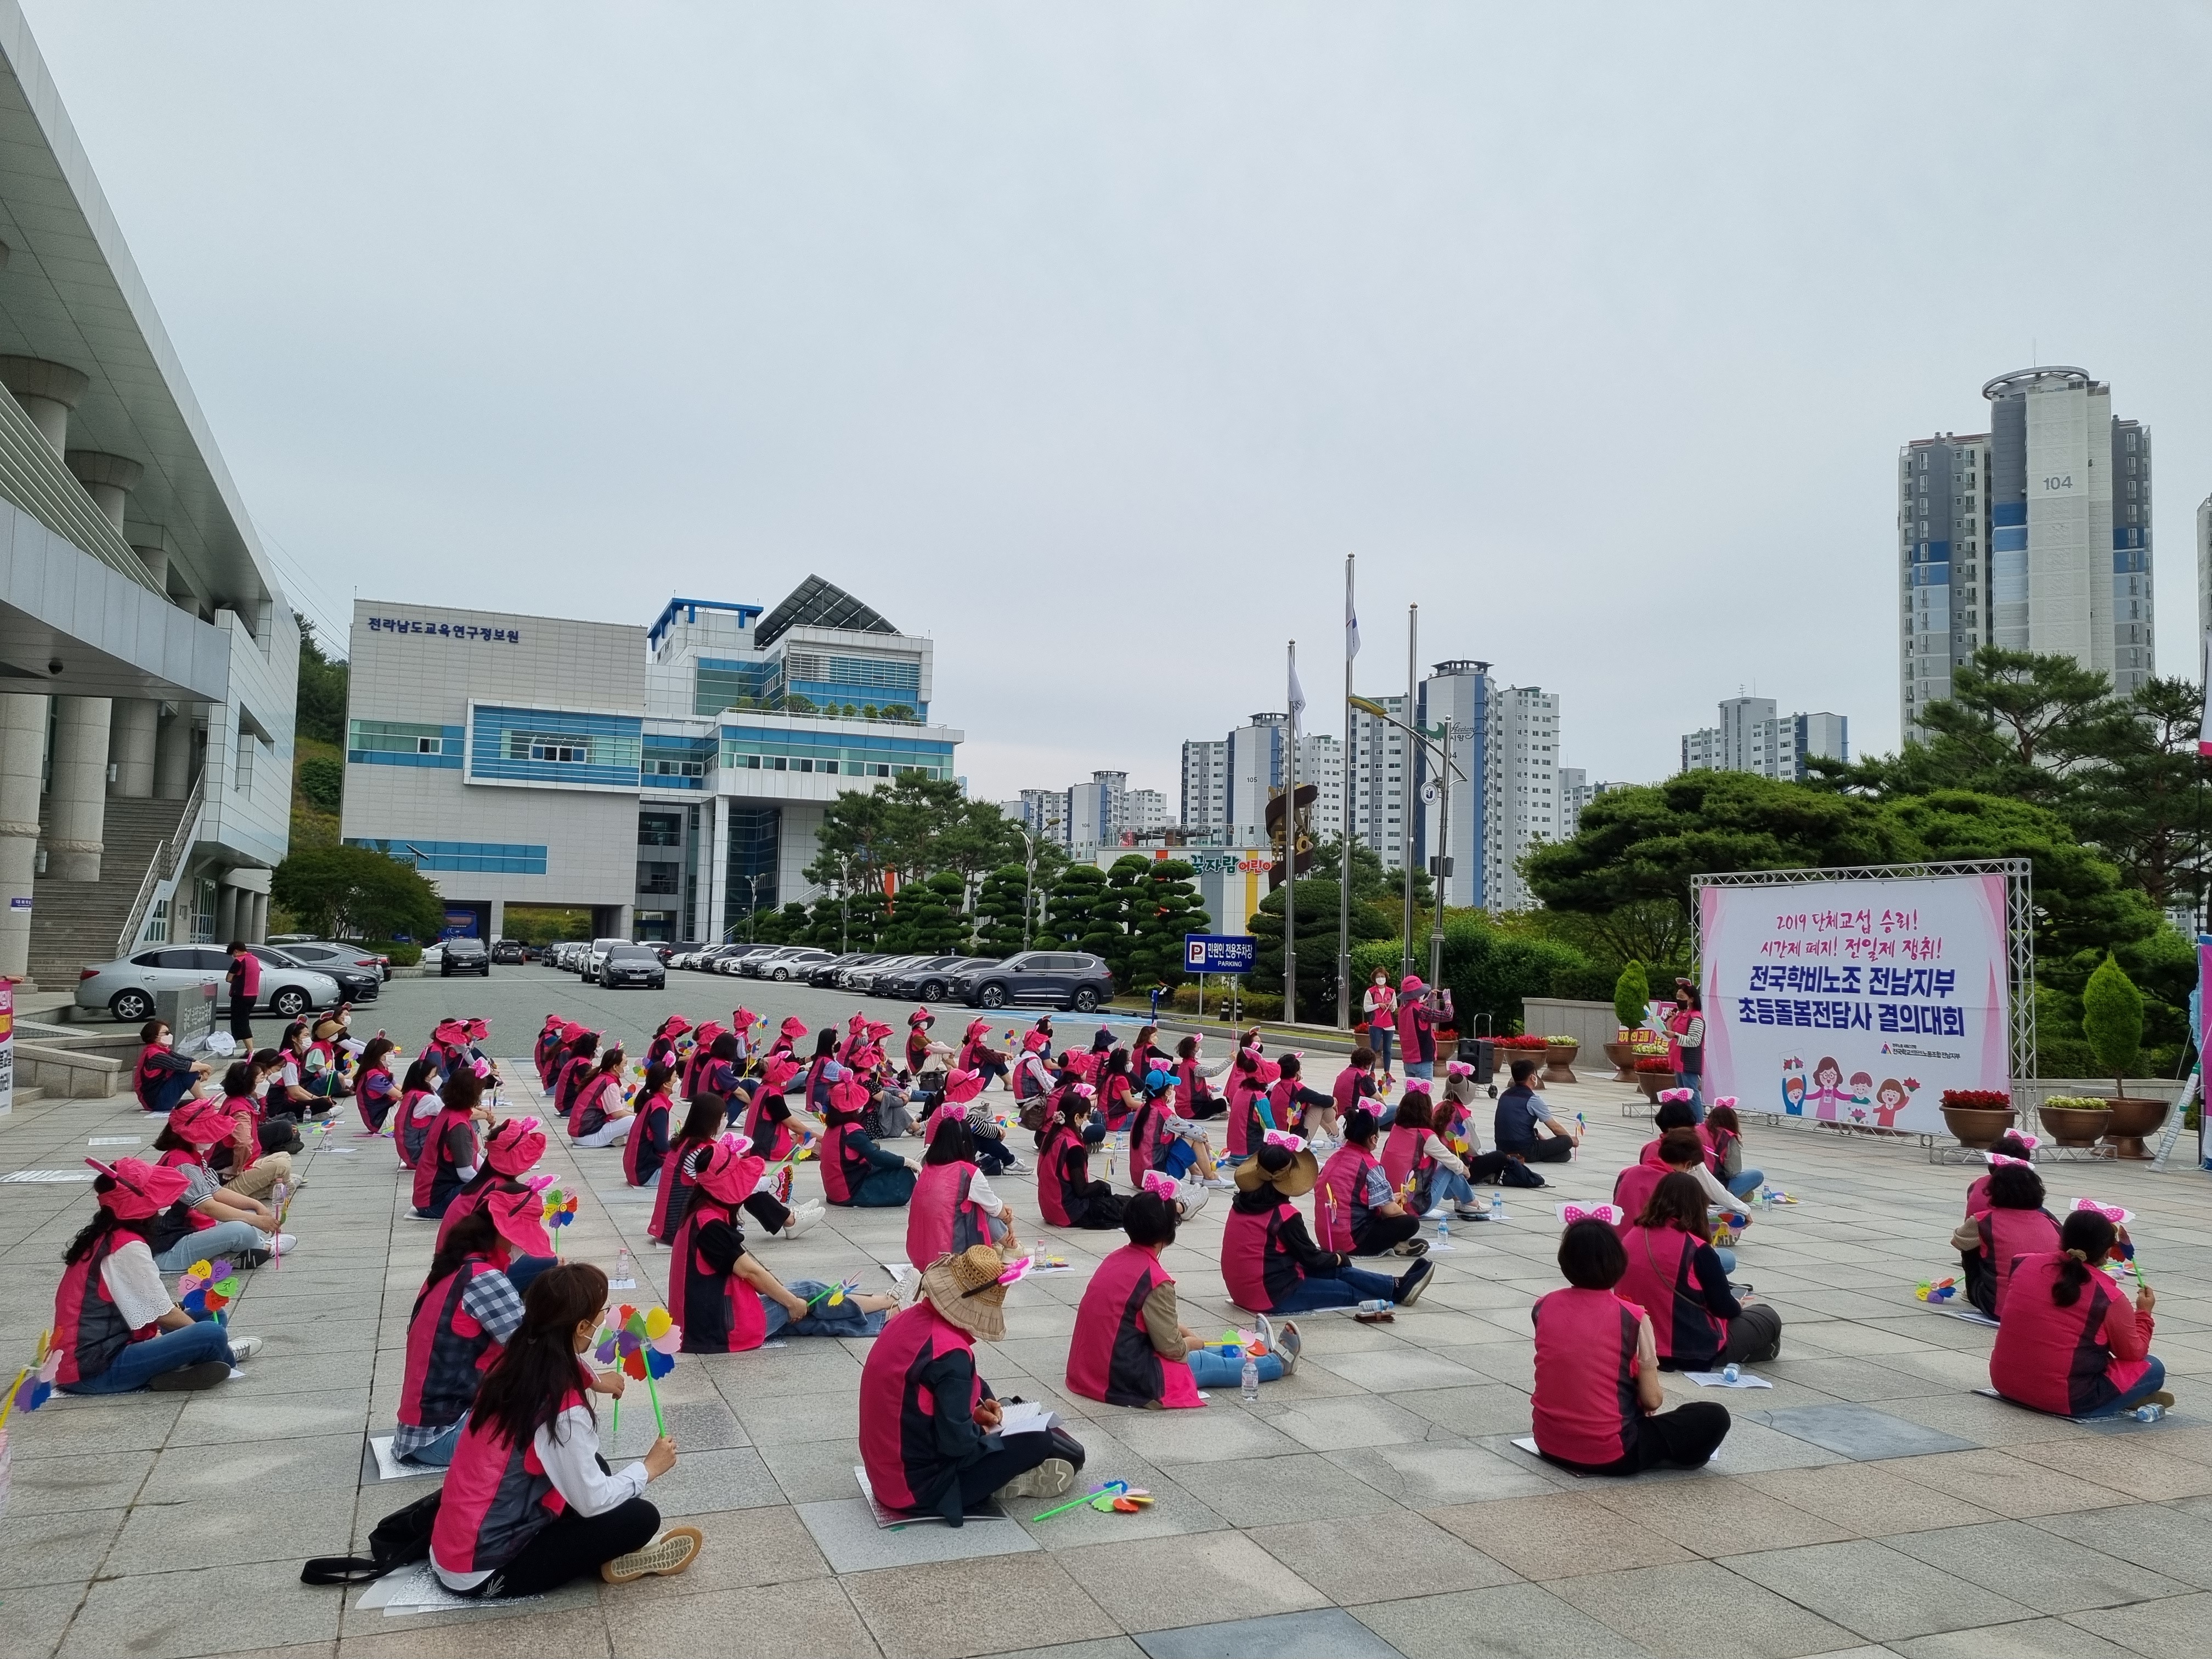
pixel 1219 953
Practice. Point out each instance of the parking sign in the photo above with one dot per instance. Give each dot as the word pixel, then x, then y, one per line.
pixel 1219 953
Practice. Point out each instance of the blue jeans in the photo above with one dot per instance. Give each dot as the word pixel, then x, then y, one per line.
pixel 1448 1184
pixel 1727 1256
pixel 523 1268
pixel 846 1319
pixel 438 1454
pixel 1351 1284
pixel 1690 1080
pixel 224 1238
pixel 140 1362
pixel 1379 1038
pixel 1222 1366
pixel 2152 1380
pixel 1748 1184
pixel 1425 1069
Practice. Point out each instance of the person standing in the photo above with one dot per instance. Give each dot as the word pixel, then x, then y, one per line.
pixel 1419 1009
pixel 1379 1003
pixel 1686 1028
pixel 244 978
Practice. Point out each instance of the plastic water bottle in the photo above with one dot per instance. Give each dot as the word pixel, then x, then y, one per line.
pixel 1497 1206
pixel 2149 1412
pixel 1766 1199
pixel 1251 1380
pixel 1375 1304
pixel 1731 1372
pixel 625 1276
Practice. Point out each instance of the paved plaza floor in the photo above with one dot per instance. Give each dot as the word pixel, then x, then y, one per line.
pixel 1870 1502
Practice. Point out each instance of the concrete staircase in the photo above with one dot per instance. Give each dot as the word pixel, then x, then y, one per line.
pixel 74 924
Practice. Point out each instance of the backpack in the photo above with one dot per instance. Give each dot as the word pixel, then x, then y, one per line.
pixel 400 1540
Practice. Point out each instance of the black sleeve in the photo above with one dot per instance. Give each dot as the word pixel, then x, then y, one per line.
pixel 877 1157
pixel 1300 1245
pixel 656 1131
pixel 168 1059
pixel 721 1244
pixel 1312 1097
pixel 951 1379
pixel 776 1110
pixel 1720 1301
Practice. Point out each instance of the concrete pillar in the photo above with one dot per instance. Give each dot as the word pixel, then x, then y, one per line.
pixel 133 736
pixel 47 393
pixel 22 758
pixel 257 930
pixel 498 920
pixel 226 913
pixel 157 560
pixel 76 801
pixel 172 756
pixel 109 479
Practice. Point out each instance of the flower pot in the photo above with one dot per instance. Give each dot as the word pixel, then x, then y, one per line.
pixel 1652 1082
pixel 1558 1059
pixel 2134 1121
pixel 1622 1056
pixel 2073 1126
pixel 1977 1127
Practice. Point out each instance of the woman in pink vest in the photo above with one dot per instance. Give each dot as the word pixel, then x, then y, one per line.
pixel 1420 1010
pixel 1673 1272
pixel 578 1061
pixel 1596 1405
pixel 1065 1192
pixel 1379 1003
pixel 2071 1344
pixel 855 1171
pixel 598 1115
pixel 529 1504
pixel 452 1153
pixel 1162 1141
pixel 418 1108
pixel 467 1307
pixel 2014 1225
pixel 953 1205
pixel 1195 1096
pixel 114 1325
pixel 1130 1345
pixel 929 1423
pixel 162 1077
pixel 646 1143
pixel 1356 1204
pixel 2012 1147
pixel 1270 1264
pixel 544 1053
pixel 1413 1149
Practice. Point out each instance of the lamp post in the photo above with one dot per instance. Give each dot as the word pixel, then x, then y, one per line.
pixel 1438 743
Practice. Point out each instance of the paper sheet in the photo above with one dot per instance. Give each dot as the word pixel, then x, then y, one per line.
pixel 1027 1418
pixel 1966 1311
pixel 389 1467
pixel 416 1589
pixel 1719 1380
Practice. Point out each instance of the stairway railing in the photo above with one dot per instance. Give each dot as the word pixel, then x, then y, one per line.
pixel 168 855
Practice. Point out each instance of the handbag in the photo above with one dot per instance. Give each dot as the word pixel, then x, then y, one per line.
pixel 400 1540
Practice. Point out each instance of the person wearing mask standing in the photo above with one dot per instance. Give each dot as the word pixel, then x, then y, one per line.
pixel 1686 1029
pixel 244 978
pixel 1379 1003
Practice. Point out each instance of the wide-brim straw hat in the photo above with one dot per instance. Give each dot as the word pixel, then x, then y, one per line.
pixel 1300 1178
pixel 965 1289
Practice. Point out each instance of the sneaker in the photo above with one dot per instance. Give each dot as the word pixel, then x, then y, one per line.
pixel 205 1375
pixel 1434 1214
pixel 1219 1183
pixel 254 1258
pixel 1470 1212
pixel 801 1219
pixel 665 1557
pixel 1410 1246
pixel 1019 1167
pixel 1047 1480
pixel 1193 1198
pixel 1288 1346
pixel 1414 1282
pixel 287 1243
pixel 243 1348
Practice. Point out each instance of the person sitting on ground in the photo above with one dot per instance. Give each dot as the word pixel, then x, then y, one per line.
pixel 1680 1151
pixel 545 1053
pixel 1271 1264
pixel 1723 1137
pixel 2014 1225
pixel 376 1091
pixel 162 1076
pixel 2071 1344
pixel 453 1153
pixel 724 1298
pixel 1159 1139
pixel 1195 1096
pixel 953 1205
pixel 579 1060
pixel 1131 1346
pixel 2012 1147
pixel 418 1110
pixel 929 1423
pixel 1454 1119
pixel 890 1113
pixel 1597 1400
pixel 1289 1104
pixel 1113 1096
pixel 114 1325
pixel 703 1128
pixel 467 1308
pixel 1250 1075
pixel 660 1047
pixel 529 1501
pixel 512 1149
pixel 647 1145
pixel 1065 1192
pixel 1355 1087
pixel 719 1073
pixel 598 1115
pixel 1031 1080
pixel 770 1121
pixel 1674 1112
pixel 856 1173
pixel 289 1094
pixel 222 1223
pixel 1673 1271
pixel 1356 1205
pixel 1414 1151
pixel 1525 1128
pixel 260 1153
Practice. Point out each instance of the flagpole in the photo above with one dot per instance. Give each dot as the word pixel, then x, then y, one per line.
pixel 1406 775
pixel 1291 847
pixel 1351 752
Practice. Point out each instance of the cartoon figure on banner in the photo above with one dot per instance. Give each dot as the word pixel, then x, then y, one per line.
pixel 1827 1095
pixel 1862 1096
pixel 1793 1088
pixel 1891 1099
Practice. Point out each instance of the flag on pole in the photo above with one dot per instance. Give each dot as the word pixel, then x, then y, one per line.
pixel 1297 693
pixel 1350 616
pixel 2204 719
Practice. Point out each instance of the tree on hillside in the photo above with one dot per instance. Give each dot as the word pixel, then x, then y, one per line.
pixel 319 706
pixel 354 891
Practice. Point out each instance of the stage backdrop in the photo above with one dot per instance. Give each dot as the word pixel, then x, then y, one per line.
pixel 1855 1001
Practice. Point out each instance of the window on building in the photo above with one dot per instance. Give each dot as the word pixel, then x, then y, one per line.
pixel 242 776
pixel 661 829
pixel 428 746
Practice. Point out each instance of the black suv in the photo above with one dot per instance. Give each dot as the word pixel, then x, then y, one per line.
pixel 509 950
pixel 634 964
pixel 1053 979
pixel 464 956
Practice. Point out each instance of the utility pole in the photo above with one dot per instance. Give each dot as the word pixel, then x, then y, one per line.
pixel 1350 751
pixel 1442 860
pixel 1405 816
pixel 1291 847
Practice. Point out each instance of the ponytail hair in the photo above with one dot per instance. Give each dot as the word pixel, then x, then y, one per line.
pixel 2087 1238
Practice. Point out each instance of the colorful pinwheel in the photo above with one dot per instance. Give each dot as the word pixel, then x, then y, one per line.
pixel 644 1343
pixel 207 1287
pixel 1942 1290
pixel 560 1212
pixel 34 1383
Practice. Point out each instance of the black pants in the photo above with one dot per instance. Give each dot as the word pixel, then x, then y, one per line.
pixel 1547 1149
pixel 242 1019
pixel 573 1545
pixel 1486 1166
pixel 1017 1455
pixel 1755 1334
pixel 1379 1232
pixel 1684 1438
pixel 763 1208
pixel 1097 1206
pixel 992 1157
pixel 1981 1283
pixel 1199 1110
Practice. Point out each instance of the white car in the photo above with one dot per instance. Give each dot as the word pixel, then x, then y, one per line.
pixel 126 987
pixel 434 955
pixel 596 956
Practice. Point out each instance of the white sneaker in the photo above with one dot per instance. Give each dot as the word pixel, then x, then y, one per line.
pixel 1437 1214
pixel 1219 1183
pixel 286 1243
pixel 801 1219
pixel 1193 1198
pixel 1019 1167
pixel 1047 1480
pixel 243 1348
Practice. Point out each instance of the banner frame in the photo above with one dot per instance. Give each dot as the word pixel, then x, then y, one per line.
pixel 2019 926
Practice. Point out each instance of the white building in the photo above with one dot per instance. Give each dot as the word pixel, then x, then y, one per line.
pixel 1523 784
pixel 1257 754
pixel 1376 759
pixel 1505 787
pixel 1752 737
pixel 1098 812
pixel 2035 536
pixel 1147 811
pixel 1205 803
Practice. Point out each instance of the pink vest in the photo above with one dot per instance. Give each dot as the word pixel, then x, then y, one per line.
pixel 2009 1233
pixel 1110 1357
pixel 1632 1189
pixel 1585 1409
pixel 940 1218
pixel 1335 1195
pixel 496 1497
pixel 895 1402
pixel 1402 1154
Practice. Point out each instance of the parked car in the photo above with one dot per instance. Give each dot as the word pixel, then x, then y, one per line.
pixel 824 975
pixel 632 964
pixel 509 950
pixel 925 980
pixel 126 986
pixel 361 973
pixel 1058 979
pixel 594 954
pixel 863 978
pixel 464 956
pixel 733 958
pixel 359 979
pixel 782 965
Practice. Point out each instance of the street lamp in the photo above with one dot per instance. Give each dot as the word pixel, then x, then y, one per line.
pixel 1437 743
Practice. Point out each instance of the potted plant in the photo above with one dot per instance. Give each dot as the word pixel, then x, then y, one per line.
pixel 1977 1117
pixel 2112 1019
pixel 1560 1054
pixel 1654 1073
pixel 1632 999
pixel 2076 1120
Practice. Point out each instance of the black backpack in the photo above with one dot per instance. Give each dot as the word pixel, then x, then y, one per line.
pixel 400 1540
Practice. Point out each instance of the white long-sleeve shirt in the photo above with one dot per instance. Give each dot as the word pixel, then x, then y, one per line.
pixel 568 1447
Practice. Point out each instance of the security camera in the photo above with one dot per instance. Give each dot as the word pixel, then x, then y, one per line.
pixel 55 667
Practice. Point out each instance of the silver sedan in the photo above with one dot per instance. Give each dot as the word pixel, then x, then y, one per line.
pixel 126 987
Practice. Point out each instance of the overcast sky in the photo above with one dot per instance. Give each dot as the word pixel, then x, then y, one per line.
pixel 1089 340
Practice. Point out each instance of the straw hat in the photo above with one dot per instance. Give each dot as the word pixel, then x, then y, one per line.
pixel 1292 1174
pixel 965 1289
